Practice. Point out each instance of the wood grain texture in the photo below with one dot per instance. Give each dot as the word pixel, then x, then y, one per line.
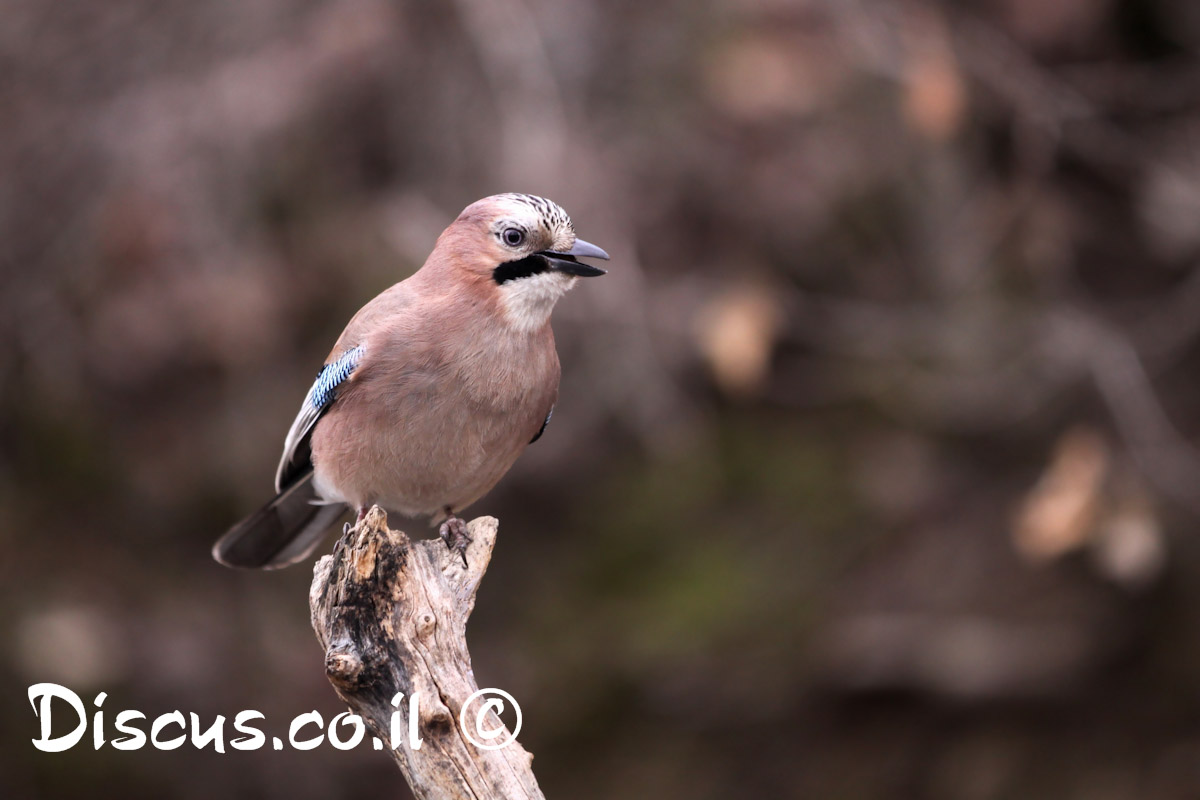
pixel 391 615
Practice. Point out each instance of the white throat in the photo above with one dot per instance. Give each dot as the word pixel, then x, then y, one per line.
pixel 528 301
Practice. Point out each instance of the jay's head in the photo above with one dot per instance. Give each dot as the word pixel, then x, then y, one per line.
pixel 525 247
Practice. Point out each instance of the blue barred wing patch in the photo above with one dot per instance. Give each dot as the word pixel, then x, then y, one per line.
pixel 297 453
pixel 333 375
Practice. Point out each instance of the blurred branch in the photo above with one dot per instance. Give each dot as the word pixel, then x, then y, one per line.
pixel 1158 447
pixel 392 616
pixel 527 96
pixel 960 382
pixel 1173 321
pixel 886 34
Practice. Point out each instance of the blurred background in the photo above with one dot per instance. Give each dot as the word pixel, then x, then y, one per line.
pixel 874 472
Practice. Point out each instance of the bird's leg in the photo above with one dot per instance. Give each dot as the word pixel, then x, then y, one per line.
pixel 346 528
pixel 454 534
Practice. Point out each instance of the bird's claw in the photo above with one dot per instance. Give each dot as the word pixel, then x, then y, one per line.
pixel 454 534
pixel 347 527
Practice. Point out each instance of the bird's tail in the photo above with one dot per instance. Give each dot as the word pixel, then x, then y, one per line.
pixel 280 533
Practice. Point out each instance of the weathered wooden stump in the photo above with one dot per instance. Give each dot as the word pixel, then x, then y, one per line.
pixel 392 614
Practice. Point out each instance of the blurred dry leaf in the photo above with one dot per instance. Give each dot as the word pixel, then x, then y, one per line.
pixel 1130 548
pixel 764 75
pixel 736 334
pixel 935 98
pixel 1059 513
pixel 1169 203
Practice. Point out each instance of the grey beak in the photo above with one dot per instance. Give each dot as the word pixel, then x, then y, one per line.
pixel 565 261
pixel 584 249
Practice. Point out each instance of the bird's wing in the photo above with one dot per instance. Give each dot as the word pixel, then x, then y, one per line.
pixel 297 449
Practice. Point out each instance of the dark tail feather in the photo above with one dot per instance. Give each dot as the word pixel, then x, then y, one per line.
pixel 280 533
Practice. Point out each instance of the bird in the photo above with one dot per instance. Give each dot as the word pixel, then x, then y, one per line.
pixel 433 389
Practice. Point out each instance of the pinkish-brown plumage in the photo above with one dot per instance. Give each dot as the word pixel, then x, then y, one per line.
pixel 451 374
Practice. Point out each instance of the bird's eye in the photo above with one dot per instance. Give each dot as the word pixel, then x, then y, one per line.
pixel 513 236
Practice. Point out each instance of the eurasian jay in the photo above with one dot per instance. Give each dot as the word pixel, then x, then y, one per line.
pixel 434 388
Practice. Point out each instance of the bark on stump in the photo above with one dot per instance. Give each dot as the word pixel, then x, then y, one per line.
pixel 392 614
